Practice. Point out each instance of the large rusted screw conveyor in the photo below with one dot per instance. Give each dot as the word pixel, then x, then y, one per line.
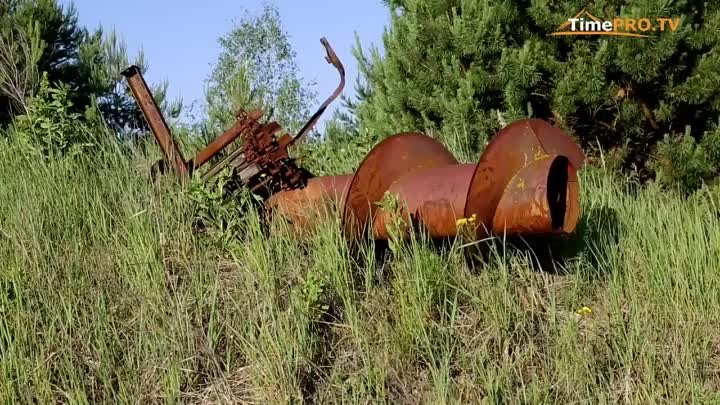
pixel 524 183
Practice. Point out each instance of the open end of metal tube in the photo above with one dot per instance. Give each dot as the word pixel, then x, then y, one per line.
pixel 541 198
pixel 557 189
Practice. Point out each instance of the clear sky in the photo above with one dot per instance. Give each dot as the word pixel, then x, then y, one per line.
pixel 179 37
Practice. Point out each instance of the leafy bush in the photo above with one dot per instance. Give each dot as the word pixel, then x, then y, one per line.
pixel 257 69
pixel 46 36
pixel 50 128
pixel 687 164
pixel 219 214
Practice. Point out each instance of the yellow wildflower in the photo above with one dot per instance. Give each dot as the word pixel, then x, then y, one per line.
pixel 465 221
pixel 584 311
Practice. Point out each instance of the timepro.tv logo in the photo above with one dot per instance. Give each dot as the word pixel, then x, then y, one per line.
pixel 585 23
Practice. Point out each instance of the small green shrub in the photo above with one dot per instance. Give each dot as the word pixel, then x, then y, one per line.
pixel 686 164
pixel 218 213
pixel 50 128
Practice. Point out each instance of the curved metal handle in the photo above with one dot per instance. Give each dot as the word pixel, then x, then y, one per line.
pixel 332 59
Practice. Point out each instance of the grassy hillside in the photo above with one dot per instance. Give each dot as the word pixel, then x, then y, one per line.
pixel 107 295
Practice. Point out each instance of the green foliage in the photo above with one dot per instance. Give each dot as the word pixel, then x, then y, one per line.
pixel 103 57
pixel 108 295
pixel 58 37
pixel 340 149
pixel 257 69
pixel 20 52
pixel 218 213
pixel 396 225
pixel 42 36
pixel 49 127
pixel 468 66
pixel 309 296
pixel 682 162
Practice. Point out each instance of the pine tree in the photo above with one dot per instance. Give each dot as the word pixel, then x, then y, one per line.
pixel 467 67
pixel 42 37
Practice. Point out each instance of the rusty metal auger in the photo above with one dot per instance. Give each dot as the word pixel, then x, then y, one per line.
pixel 524 183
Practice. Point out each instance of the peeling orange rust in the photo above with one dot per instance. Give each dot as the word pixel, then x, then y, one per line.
pixel 520 186
pixel 542 198
pixel 241 125
pixel 514 148
pixel 155 120
pixel 391 159
pixel 434 197
pixel 261 161
pixel 524 183
pixel 303 207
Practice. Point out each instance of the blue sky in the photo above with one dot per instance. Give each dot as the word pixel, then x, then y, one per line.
pixel 179 37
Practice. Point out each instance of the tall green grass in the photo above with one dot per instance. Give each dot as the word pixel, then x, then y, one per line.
pixel 109 295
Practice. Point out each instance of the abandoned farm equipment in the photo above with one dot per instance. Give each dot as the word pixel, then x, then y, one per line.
pixel 525 182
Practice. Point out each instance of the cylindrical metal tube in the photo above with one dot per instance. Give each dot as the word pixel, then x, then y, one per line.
pixel 391 159
pixel 155 120
pixel 433 198
pixel 542 198
pixel 300 207
pixel 225 139
pixel 514 147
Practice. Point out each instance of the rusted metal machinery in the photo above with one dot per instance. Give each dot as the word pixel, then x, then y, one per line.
pixel 524 183
pixel 261 161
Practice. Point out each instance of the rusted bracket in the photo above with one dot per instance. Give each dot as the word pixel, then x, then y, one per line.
pixel 156 121
pixel 243 124
pixel 238 158
pixel 335 61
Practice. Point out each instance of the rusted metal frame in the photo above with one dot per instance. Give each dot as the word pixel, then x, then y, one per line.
pixel 250 130
pixel 218 167
pixel 335 61
pixel 219 143
pixel 302 134
pixel 155 120
pixel 525 182
pixel 303 207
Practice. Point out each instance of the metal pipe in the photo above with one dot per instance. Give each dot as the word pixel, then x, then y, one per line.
pixel 300 206
pixel 226 138
pixel 391 159
pixel 155 120
pixel 432 197
pixel 542 198
pixel 513 148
